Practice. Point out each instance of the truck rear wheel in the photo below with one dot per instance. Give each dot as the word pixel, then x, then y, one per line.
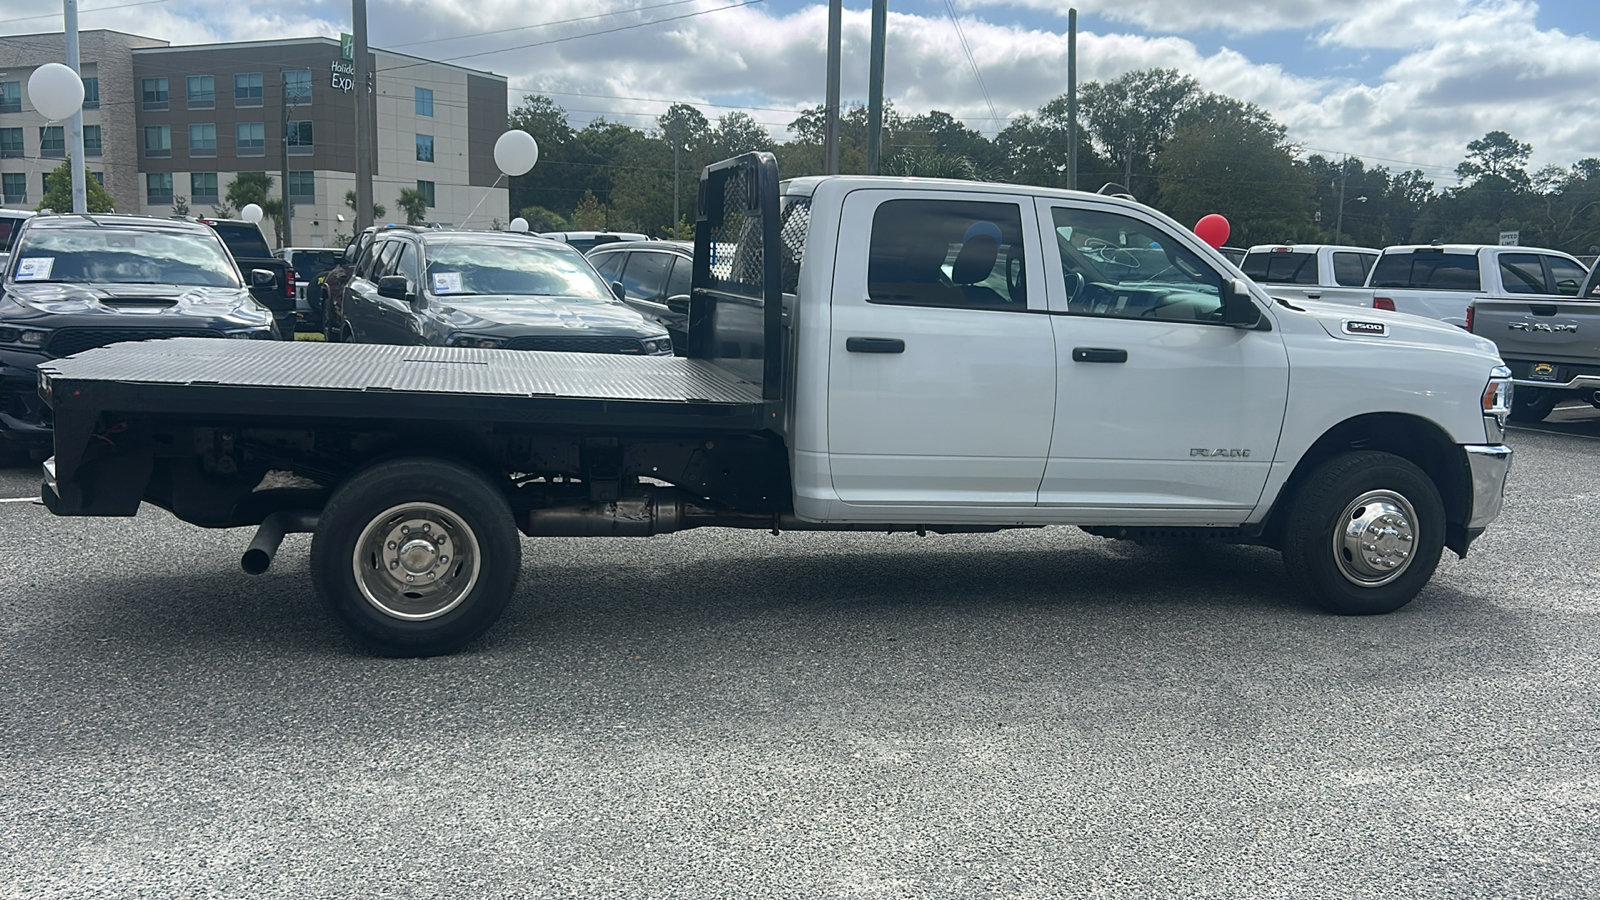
pixel 416 557
pixel 1364 533
pixel 1530 405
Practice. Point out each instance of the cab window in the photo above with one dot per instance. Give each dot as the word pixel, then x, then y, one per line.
pixel 949 253
pixel 1351 269
pixel 1119 267
pixel 1523 273
pixel 1565 276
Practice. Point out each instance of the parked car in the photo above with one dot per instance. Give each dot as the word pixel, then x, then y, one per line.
pixel 1551 344
pixel 76 282
pixel 310 266
pixel 489 289
pixel 10 223
pixel 1440 281
pixel 655 279
pixel 249 249
pixel 1326 272
pixel 588 240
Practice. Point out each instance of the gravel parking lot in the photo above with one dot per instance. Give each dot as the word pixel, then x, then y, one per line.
pixel 724 714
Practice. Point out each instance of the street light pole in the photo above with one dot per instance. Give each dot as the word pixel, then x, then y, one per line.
pixel 80 188
pixel 830 110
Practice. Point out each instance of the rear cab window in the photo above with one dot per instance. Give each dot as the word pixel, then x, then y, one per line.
pixel 1351 269
pixel 1427 269
pixel 963 254
pixel 1281 266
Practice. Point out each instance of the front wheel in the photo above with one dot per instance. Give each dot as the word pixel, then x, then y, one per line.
pixel 416 557
pixel 1364 533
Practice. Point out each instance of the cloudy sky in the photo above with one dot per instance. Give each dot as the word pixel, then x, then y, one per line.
pixel 1403 83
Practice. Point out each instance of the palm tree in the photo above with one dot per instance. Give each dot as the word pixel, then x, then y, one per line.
pixel 414 204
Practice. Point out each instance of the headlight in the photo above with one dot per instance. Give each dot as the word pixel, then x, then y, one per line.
pixel 474 340
pixel 252 334
pixel 32 337
pixel 1497 394
pixel 658 346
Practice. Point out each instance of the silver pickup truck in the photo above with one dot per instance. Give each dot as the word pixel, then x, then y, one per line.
pixel 1551 345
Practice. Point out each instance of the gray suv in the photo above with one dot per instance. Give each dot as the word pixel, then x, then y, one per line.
pixel 655 277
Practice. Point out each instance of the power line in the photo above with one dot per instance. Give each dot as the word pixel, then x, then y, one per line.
pixel 967 49
pixel 81 12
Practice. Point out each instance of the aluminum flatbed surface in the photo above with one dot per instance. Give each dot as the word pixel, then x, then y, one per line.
pixel 206 375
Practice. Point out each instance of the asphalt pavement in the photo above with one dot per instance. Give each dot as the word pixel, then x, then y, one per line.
pixel 732 714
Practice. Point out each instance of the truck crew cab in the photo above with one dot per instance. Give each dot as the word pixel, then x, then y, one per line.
pixel 877 354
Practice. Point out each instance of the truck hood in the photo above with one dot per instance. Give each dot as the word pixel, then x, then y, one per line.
pixel 1379 326
pixel 521 315
pixel 36 302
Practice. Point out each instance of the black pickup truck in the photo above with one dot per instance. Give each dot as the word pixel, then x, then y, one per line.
pixel 244 240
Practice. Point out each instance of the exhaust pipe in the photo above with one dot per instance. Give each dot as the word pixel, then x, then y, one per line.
pixel 264 546
pixel 1594 399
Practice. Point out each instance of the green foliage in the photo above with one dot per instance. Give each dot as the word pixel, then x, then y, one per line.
pixel 247 188
pixel 683 231
pixel 414 204
pixel 58 193
pixel 590 215
pixel 378 209
pixel 541 219
pixel 180 205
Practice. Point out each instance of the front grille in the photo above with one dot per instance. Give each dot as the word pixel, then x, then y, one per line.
pixel 577 344
pixel 67 341
pixel 21 401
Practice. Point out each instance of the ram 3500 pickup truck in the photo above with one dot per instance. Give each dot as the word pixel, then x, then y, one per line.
pixel 1552 347
pixel 878 354
pixel 1440 281
pixel 1325 272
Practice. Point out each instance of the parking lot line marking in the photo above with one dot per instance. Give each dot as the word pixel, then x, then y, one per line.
pixel 18 499
pixel 1586 437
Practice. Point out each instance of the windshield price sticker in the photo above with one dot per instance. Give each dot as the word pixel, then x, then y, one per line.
pixel 447 282
pixel 35 268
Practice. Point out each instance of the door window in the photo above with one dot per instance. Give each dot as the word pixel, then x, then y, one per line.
pixel 950 253
pixel 1523 273
pixel 678 282
pixel 1281 267
pixel 409 266
pixel 1427 270
pixel 609 265
pixel 1565 276
pixel 1117 266
pixel 1350 269
pixel 645 275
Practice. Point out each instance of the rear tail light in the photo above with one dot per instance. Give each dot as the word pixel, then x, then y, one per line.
pixel 1383 303
pixel 288 282
pixel 1469 318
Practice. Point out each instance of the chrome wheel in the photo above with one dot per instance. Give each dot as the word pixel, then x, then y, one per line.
pixel 416 561
pixel 1375 539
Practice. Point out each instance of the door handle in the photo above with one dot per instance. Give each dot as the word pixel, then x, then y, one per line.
pixel 1099 355
pixel 1313 296
pixel 874 345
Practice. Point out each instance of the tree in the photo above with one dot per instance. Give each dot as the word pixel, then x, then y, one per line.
pixel 546 184
pixel 378 209
pixel 738 133
pixel 541 219
pixel 1496 154
pixel 414 203
pixel 1132 117
pixel 590 214
pixel 247 188
pixel 58 192
pixel 180 205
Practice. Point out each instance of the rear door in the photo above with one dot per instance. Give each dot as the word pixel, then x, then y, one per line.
pixel 941 367
pixel 364 310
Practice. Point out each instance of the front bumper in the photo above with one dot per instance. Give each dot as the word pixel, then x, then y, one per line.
pixel 1489 464
pixel 22 413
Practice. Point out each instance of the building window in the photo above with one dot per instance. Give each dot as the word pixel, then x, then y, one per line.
pixel 302 187
pixel 14 185
pixel 11 143
pixel 157 140
pixel 202 92
pixel 203 187
pixel 203 140
pixel 155 93
pixel 250 139
pixel 298 138
pixel 424 148
pixel 99 177
pixel 297 87
pixel 247 89
pixel 426 187
pixel 52 141
pixel 91 92
pixel 92 145
pixel 158 187
pixel 10 96
pixel 425 101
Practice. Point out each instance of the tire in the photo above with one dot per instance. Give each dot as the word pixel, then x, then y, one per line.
pixel 1531 405
pixel 464 556
pixel 1390 499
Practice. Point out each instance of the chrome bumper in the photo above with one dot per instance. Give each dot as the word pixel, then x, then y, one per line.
pixel 1489 464
pixel 1578 382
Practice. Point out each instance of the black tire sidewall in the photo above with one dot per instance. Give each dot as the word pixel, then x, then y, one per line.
pixel 464 492
pixel 1532 405
pixel 1322 499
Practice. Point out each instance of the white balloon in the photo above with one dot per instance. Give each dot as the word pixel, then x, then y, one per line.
pixel 519 225
pixel 515 152
pixel 250 213
pixel 56 91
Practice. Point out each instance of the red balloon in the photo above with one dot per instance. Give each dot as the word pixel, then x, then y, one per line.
pixel 1212 229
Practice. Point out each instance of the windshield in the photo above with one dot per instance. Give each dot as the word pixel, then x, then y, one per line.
pixel 122 256
pixel 461 270
pixel 244 241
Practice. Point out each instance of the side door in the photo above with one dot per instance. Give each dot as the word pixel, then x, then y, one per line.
pixel 363 310
pixel 644 282
pixel 403 322
pixel 941 364
pixel 1162 412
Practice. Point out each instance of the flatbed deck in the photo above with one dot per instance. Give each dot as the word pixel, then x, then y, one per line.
pixel 365 381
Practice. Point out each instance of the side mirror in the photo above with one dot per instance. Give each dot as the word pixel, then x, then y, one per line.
pixel 393 287
pixel 1238 309
pixel 618 291
pixel 263 278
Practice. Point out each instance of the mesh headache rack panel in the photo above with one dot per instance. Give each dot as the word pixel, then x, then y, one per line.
pixel 736 306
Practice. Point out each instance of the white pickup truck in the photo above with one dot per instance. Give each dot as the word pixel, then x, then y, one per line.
pixel 1440 281
pixel 882 354
pixel 1326 272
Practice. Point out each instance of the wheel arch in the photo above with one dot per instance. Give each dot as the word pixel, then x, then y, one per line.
pixel 1413 438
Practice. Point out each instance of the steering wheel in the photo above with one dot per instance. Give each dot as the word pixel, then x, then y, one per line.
pixel 1075 286
pixel 1160 306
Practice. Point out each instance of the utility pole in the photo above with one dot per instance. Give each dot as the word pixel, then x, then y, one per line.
pixel 677 191
pixel 80 189
pixel 1344 175
pixel 1072 99
pixel 830 112
pixel 366 125
pixel 286 219
pixel 880 29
